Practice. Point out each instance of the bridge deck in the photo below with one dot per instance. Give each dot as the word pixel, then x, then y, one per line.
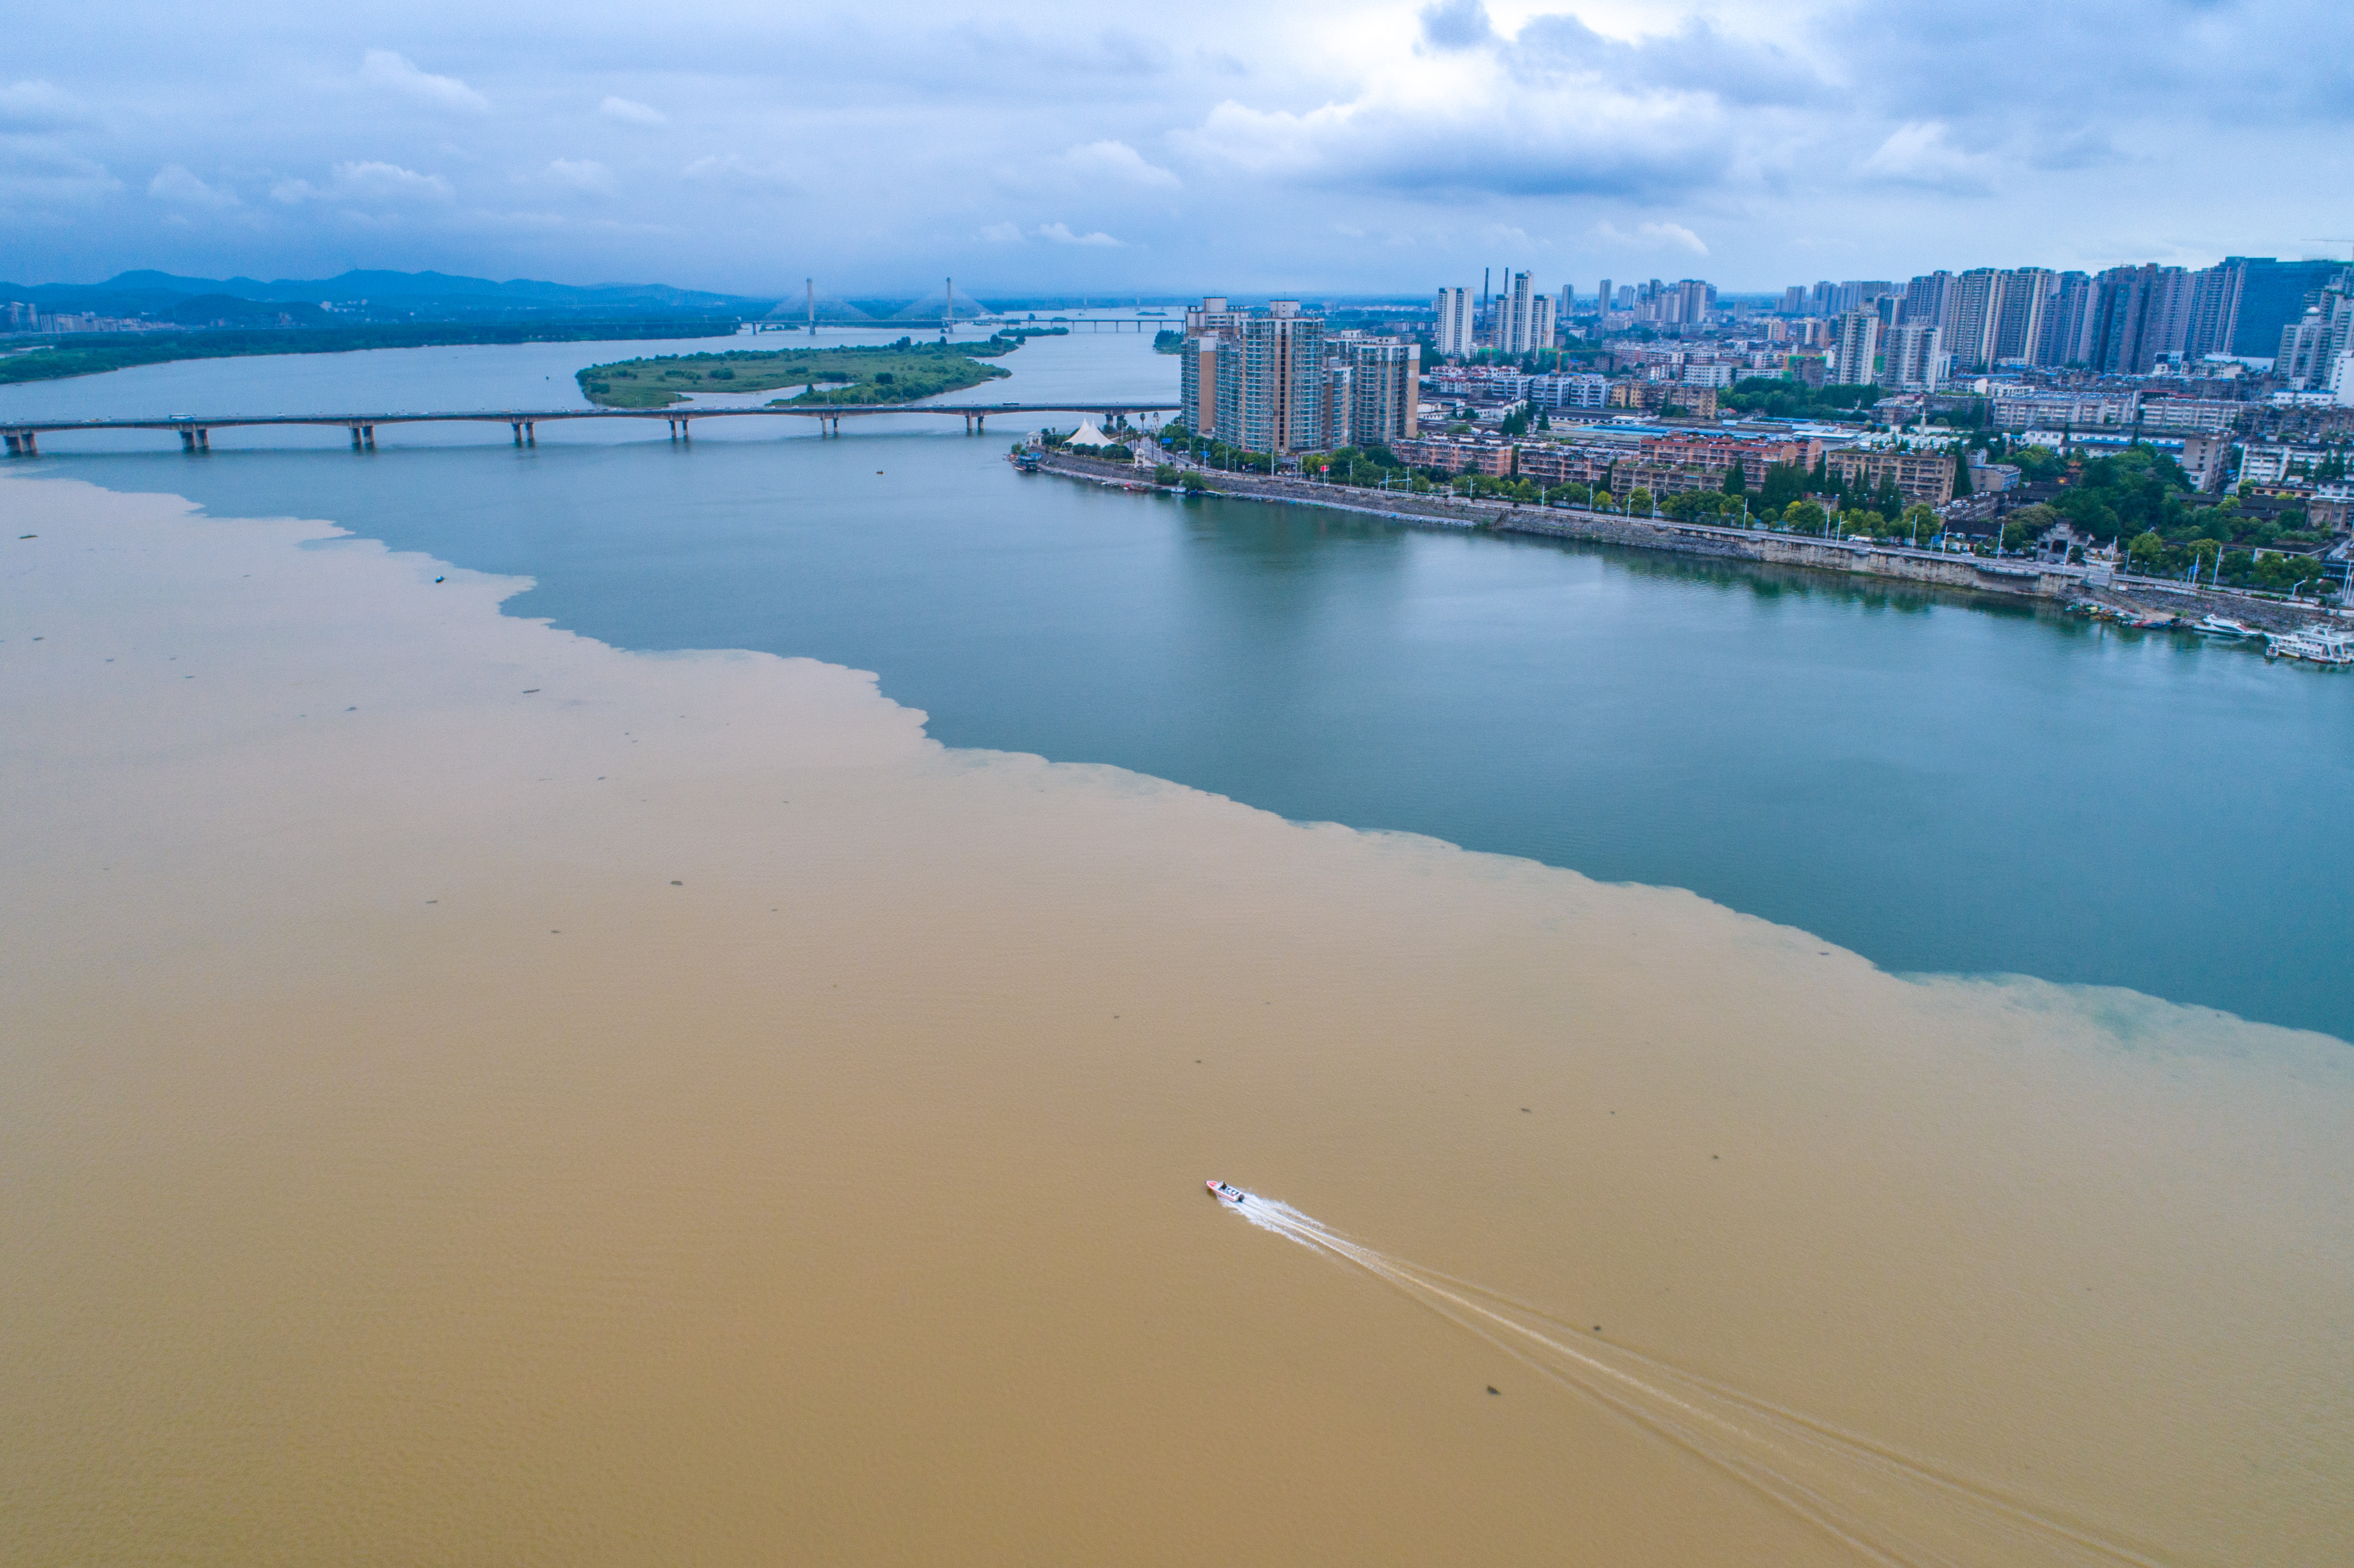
pixel 193 422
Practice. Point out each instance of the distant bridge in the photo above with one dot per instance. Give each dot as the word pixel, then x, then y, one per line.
pixel 23 436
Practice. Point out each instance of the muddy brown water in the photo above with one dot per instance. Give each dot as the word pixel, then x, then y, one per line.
pixel 472 1094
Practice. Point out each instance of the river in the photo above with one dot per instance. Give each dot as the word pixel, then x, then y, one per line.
pixel 1941 783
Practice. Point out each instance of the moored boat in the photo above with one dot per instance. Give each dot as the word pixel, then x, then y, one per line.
pixel 2315 644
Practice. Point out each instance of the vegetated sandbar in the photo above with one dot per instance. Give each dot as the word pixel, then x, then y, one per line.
pixel 473 1094
pixel 898 372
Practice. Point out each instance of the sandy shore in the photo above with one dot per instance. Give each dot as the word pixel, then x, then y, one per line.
pixel 472 1094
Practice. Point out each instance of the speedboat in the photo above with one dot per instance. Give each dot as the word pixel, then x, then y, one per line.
pixel 1223 1194
pixel 2217 626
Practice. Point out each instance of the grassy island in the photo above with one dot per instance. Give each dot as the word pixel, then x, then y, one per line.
pixel 901 372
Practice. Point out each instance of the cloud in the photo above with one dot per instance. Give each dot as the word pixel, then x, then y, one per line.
pixel 382 68
pixel 1118 160
pixel 1918 153
pixel 585 174
pixel 31 106
pixel 172 182
pixel 1060 233
pixel 1697 60
pixel 1672 234
pixel 367 184
pixel 630 112
pixel 1446 150
pixel 1299 159
pixel 1651 237
pixel 1456 24
pixel 732 169
pixel 33 171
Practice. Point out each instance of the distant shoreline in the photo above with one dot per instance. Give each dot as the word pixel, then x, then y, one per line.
pixel 70 355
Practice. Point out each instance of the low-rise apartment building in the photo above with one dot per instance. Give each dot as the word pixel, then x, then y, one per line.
pixel 2188 416
pixel 1458 454
pixel 2205 459
pixel 1666 465
pixel 2025 411
pixel 1653 397
pixel 1549 464
pixel 1568 391
pixel 1920 476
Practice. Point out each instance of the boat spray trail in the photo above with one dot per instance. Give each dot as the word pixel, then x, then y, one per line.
pixel 1884 1504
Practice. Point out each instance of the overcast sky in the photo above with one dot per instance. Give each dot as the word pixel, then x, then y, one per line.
pixel 1321 147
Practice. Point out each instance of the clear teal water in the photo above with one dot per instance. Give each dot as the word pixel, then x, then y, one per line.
pixel 1940 784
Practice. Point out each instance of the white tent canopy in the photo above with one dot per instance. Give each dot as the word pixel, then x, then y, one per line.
pixel 1086 435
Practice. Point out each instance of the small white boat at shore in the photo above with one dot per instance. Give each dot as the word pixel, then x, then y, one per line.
pixel 2315 644
pixel 2218 626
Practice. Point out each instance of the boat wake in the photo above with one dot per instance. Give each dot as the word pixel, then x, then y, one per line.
pixel 1887 1505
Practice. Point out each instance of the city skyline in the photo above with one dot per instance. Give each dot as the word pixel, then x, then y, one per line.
pixel 1354 149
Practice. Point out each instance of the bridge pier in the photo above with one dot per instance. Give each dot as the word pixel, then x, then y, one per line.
pixel 679 430
pixel 196 440
pixel 22 444
pixel 363 438
pixel 526 435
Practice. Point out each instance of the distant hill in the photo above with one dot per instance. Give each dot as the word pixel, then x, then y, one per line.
pixel 360 296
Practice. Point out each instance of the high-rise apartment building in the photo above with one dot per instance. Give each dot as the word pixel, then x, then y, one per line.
pixel 1212 318
pixel 1925 299
pixel 2130 323
pixel 2018 326
pixel 1515 315
pixel 2310 347
pixel 1973 317
pixel 1271 381
pixel 1602 297
pixel 2272 295
pixel 2170 313
pixel 1198 365
pixel 1694 299
pixel 1455 323
pixel 1794 301
pixel 2214 309
pixel 1855 348
pixel 1383 390
pixel 1273 400
pixel 1914 357
pixel 2304 350
pixel 2069 320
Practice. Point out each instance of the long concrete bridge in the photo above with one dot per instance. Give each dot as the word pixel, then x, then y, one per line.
pixel 23 436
